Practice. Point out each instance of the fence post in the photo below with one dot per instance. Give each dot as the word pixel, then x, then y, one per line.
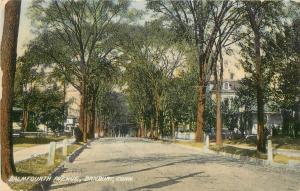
pixel 206 147
pixel 65 147
pixel 51 154
pixel 270 152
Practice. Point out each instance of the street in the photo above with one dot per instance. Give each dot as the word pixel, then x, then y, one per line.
pixel 140 164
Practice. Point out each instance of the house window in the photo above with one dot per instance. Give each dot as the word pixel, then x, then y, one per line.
pixel 226 86
pixel 231 76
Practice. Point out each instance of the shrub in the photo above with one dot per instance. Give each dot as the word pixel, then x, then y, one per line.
pixel 78 134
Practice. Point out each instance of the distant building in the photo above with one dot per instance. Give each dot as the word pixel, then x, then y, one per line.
pixel 73 99
pixel 228 92
pixel 70 123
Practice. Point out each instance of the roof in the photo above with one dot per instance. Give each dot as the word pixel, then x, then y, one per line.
pixel 234 85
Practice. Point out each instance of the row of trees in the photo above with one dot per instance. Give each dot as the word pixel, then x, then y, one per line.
pixel 74 40
pixel 163 66
pixel 83 38
pixel 209 28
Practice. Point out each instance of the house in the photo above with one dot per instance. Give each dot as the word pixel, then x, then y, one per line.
pixel 70 123
pixel 228 92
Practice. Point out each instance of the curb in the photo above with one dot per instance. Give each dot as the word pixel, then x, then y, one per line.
pixel 59 170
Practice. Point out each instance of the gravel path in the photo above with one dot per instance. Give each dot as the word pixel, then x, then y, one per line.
pixel 148 165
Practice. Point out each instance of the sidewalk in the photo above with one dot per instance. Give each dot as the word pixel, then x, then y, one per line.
pixel 30 152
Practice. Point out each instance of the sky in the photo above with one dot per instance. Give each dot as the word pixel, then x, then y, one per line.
pixel 25 34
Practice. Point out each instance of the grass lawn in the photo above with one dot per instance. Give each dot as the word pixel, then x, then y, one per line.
pixel 286 143
pixel 37 166
pixel 252 153
pixel 33 141
pixel 278 142
pixel 244 142
pixel 284 159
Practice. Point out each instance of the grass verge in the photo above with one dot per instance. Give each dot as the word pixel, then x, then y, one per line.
pixel 253 153
pixel 278 142
pixel 284 159
pixel 239 151
pixel 190 143
pixel 38 167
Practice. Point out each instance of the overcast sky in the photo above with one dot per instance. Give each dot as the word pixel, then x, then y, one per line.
pixel 25 34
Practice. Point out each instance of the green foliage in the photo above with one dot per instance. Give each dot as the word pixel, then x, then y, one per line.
pixel 51 110
pixel 210 114
pixel 280 62
pixel 37 92
pixel 77 37
pixel 283 54
pixel 230 113
pixel 151 60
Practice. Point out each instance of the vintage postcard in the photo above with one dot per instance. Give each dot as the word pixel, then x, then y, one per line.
pixel 150 95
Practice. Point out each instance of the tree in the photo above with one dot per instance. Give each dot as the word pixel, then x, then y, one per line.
pixel 226 30
pixel 153 57
pixel 193 21
pixel 246 101
pixel 260 15
pixel 281 50
pixel 254 14
pixel 8 66
pixel 74 30
pixel 26 81
pixel 180 102
pixel 48 108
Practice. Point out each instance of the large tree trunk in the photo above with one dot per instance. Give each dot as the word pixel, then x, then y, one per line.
pixel 261 143
pixel 151 127
pixel 200 122
pixel 143 128
pixel 253 18
pixel 83 114
pixel 88 122
pixel 297 120
pixel 200 112
pixel 85 130
pixel 173 130
pixel 98 122
pixel 218 115
pixel 8 66
pixel 157 117
pixel 218 85
pixel 92 118
pixel 156 124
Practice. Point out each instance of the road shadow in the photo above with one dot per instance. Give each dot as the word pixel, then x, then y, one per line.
pixel 166 183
